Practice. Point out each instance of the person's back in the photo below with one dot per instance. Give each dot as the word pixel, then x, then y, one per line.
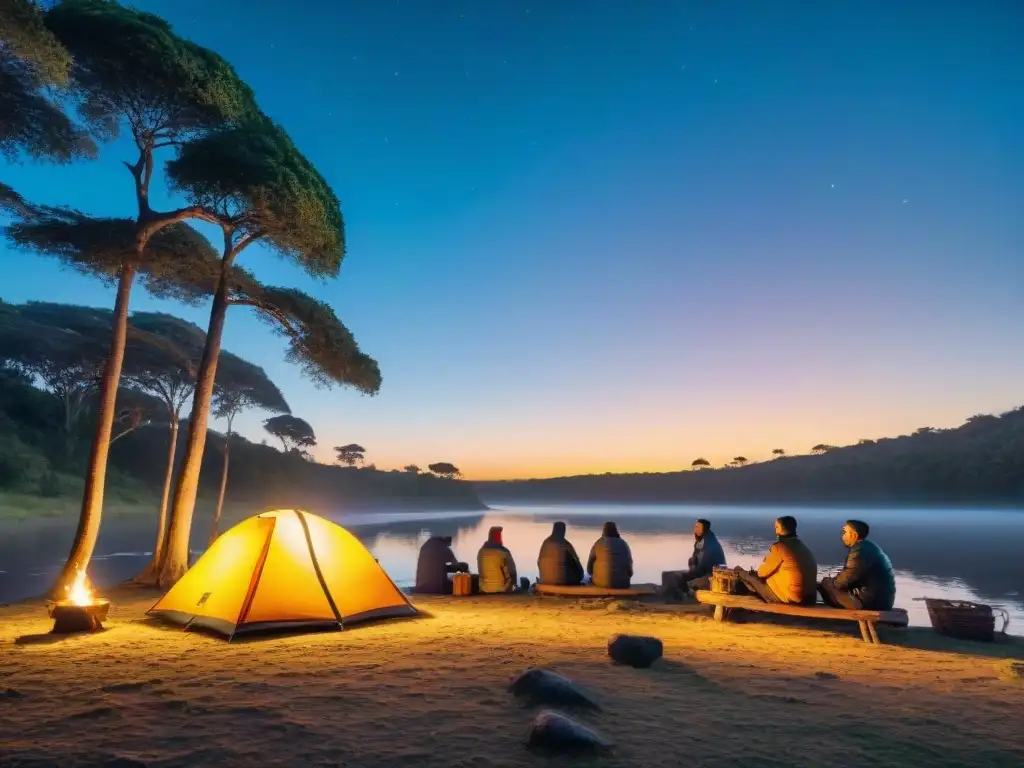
pixel 791 571
pixel 610 564
pixel 495 565
pixel 433 566
pixel 869 575
pixel 558 563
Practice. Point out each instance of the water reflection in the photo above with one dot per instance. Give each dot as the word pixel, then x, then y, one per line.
pixel 930 549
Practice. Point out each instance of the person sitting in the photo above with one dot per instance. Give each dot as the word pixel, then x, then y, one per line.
pixel 789 572
pixel 867 580
pixel 558 563
pixel 435 563
pixel 707 553
pixel 495 565
pixel 610 564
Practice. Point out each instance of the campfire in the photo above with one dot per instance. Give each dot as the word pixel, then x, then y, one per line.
pixel 80 611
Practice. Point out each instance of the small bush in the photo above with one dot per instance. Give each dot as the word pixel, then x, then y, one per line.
pixel 49 485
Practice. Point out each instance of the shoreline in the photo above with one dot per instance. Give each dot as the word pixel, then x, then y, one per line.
pixel 403 692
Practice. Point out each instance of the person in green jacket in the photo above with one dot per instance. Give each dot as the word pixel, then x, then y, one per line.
pixel 495 565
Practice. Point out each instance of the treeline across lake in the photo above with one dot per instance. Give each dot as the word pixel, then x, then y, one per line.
pixel 978 463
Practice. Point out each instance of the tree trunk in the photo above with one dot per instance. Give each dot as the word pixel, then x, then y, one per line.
pixel 223 488
pixel 175 556
pixel 92 496
pixel 148 577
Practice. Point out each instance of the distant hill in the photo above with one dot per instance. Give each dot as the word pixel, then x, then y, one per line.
pixel 39 456
pixel 979 463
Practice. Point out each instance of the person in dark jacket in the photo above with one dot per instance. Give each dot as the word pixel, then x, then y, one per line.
pixel 789 572
pixel 707 553
pixel 867 580
pixel 495 565
pixel 435 563
pixel 610 564
pixel 558 563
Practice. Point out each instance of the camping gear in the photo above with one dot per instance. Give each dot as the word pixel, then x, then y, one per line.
pixel 965 620
pixel 462 584
pixel 725 580
pixel 282 570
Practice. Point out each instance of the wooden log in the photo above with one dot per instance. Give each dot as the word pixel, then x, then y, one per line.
pixel 589 590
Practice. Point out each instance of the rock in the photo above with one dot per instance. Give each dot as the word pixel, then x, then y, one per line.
pixel 635 650
pixel 826 676
pixel 553 732
pixel 542 686
pixel 10 693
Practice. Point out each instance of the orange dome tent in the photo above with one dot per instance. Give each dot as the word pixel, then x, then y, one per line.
pixel 282 570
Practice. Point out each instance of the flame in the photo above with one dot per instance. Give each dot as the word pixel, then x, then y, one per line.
pixel 79 593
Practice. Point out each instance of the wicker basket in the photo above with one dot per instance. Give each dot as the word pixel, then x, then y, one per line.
pixel 965 620
pixel 725 580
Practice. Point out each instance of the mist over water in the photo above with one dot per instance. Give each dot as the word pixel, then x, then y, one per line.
pixel 955 554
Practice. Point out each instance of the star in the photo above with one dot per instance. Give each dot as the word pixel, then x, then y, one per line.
pixel 904 199
pixel 833 186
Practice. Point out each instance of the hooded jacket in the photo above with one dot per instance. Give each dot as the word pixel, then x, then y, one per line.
pixel 558 562
pixel 435 562
pixel 791 571
pixel 495 564
pixel 869 576
pixel 707 553
pixel 610 564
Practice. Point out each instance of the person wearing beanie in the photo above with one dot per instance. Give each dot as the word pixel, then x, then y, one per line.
pixel 495 565
pixel 610 564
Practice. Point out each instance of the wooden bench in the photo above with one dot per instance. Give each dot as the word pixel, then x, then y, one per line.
pixel 868 620
pixel 589 590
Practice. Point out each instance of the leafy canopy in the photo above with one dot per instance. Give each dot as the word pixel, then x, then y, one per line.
pixel 130 65
pixel 444 469
pixel 241 384
pixel 31 59
pixel 99 247
pixel 252 176
pixel 350 454
pixel 292 431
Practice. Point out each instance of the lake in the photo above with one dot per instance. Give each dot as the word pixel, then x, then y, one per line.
pixel 956 554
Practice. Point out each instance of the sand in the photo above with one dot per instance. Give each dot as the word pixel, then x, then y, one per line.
pixel 432 691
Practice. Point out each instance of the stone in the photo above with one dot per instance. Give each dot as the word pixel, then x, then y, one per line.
pixel 11 693
pixel 542 686
pixel 635 650
pixel 554 732
pixel 1012 670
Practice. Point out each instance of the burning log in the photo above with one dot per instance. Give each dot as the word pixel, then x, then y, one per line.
pixel 80 611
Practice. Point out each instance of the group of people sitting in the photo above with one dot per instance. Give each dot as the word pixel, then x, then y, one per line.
pixel 610 564
pixel 789 572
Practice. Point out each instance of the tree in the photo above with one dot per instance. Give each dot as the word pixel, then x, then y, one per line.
pixel 350 454
pixel 865 441
pixel 700 463
pixel 129 68
pixel 412 469
pixel 32 60
pixel 821 448
pixel 739 461
pixel 293 432
pixel 445 470
pixel 259 188
pixel 780 452
pixel 63 346
pixel 240 386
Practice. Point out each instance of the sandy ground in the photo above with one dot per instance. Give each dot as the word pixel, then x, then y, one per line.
pixel 432 691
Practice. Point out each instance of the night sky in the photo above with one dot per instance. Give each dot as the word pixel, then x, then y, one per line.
pixel 614 236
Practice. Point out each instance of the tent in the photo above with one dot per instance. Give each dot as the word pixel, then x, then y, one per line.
pixel 282 570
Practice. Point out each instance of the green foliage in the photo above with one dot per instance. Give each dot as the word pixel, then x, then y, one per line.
pixel 252 175
pixel 99 247
pixel 317 340
pixel 130 65
pixel 49 485
pixel 293 432
pixel 350 454
pixel 31 59
pixel 241 385
pixel 700 463
pixel 25 36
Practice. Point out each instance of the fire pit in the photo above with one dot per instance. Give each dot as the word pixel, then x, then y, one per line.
pixel 80 612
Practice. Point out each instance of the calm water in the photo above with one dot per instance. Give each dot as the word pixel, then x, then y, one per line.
pixel 965 554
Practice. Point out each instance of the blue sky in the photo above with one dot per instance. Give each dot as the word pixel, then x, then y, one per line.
pixel 599 236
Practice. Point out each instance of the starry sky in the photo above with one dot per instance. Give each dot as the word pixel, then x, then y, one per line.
pixel 590 236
